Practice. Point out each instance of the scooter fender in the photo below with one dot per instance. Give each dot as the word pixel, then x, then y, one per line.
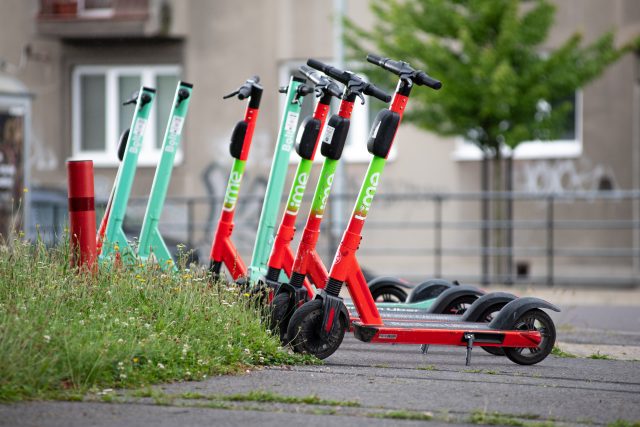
pixel 445 298
pixel 379 283
pixel 483 303
pixel 384 281
pixel 297 295
pixel 332 307
pixel 429 289
pixel 507 317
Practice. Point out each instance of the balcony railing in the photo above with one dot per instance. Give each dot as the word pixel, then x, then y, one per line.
pixel 70 10
pixel 84 19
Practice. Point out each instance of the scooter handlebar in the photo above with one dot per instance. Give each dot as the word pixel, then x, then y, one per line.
pixel 245 90
pixel 350 80
pixel 404 70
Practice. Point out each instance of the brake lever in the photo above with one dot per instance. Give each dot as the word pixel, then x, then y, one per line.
pixel 232 94
pixel 133 98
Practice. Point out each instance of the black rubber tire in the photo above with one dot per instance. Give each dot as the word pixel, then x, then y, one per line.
pixel 304 331
pixel 486 317
pixel 281 312
pixel 459 305
pixel 389 294
pixel 541 322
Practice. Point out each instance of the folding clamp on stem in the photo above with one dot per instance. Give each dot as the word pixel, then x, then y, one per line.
pixel 301 92
pixel 182 95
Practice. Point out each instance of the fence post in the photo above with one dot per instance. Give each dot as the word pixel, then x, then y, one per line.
pixel 190 220
pixel 550 246
pixel 437 237
pixel 484 200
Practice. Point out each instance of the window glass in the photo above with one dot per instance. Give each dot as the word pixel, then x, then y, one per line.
pixel 569 129
pixel 92 119
pixel 98 4
pixel 166 88
pixel 128 85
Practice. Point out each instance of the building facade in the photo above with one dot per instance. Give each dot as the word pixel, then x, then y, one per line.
pixel 80 58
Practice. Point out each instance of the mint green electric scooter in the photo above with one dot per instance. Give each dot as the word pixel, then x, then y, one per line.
pixel 151 241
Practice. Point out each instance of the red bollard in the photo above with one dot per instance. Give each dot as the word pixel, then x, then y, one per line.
pixel 82 213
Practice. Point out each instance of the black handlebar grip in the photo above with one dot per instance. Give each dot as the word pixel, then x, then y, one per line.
pixel 375 59
pixel 395 67
pixel 314 63
pixel 376 92
pixel 423 78
pixel 340 75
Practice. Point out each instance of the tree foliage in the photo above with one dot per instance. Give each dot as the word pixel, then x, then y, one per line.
pixel 499 77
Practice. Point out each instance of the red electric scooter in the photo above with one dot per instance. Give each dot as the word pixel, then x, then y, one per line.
pixel 521 328
pixel 223 251
pixel 444 306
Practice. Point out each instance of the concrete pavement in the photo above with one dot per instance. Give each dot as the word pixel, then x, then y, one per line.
pixel 397 385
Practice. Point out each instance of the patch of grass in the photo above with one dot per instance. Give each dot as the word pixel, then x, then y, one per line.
pixel 497 418
pixel 192 395
pixel 427 368
pixel 381 365
pixel 472 371
pixel 600 356
pixel 64 333
pixel 557 351
pixel 270 397
pixel 624 423
pixel 403 415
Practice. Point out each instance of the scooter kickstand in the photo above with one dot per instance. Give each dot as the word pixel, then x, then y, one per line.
pixel 469 338
pixel 424 348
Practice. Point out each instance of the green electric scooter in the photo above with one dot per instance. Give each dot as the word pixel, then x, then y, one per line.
pixel 115 240
pixel 151 242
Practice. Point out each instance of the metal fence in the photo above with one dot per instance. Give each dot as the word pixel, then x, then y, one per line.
pixel 573 238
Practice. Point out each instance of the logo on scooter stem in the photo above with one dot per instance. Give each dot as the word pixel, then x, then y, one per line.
pixel 367 198
pixel 297 193
pixel 319 204
pixel 231 196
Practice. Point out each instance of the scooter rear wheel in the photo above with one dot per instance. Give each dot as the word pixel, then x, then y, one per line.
pixel 487 316
pixel 304 331
pixel 533 320
pixel 389 294
pixel 460 305
pixel 281 312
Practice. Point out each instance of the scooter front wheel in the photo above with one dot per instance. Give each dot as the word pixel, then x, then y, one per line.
pixel 533 320
pixel 280 313
pixel 304 331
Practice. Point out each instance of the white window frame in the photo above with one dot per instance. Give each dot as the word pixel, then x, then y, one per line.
pixel 532 150
pixel 150 153
pixel 355 150
pixel 105 12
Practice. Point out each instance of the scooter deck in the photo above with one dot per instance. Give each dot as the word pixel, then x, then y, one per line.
pixel 410 316
pixel 418 307
pixel 444 333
